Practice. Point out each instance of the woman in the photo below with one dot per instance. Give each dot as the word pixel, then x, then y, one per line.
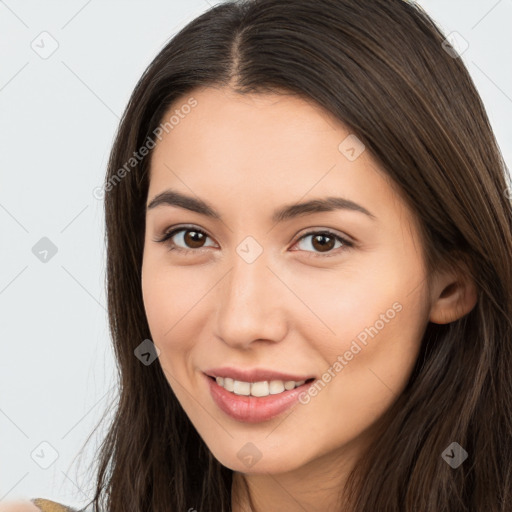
pixel 309 270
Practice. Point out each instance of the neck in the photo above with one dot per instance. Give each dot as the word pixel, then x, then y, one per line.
pixel 316 486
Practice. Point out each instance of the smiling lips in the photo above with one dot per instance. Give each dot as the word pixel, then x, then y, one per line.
pixel 254 395
pixel 262 388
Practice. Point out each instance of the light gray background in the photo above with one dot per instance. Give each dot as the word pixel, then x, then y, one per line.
pixel 58 117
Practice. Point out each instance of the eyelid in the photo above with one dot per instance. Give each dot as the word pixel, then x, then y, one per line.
pixel 347 242
pixel 173 230
pixel 314 230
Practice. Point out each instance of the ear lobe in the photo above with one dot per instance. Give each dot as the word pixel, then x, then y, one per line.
pixel 457 298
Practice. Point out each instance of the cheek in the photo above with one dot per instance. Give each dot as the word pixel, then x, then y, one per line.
pixel 168 297
pixel 360 383
pixel 369 298
pixel 378 319
pixel 377 363
pixel 169 293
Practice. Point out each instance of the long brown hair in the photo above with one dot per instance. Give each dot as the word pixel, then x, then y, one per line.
pixel 381 67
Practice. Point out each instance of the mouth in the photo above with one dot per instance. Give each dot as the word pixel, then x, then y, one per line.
pixel 255 401
pixel 258 389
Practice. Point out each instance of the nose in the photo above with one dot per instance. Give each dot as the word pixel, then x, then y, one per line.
pixel 251 304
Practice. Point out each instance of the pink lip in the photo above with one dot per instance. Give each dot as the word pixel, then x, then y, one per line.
pixel 255 375
pixel 252 409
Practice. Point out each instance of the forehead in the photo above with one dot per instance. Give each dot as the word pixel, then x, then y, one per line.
pixel 250 120
pixel 263 148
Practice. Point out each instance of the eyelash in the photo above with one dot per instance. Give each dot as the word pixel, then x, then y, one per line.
pixel 173 247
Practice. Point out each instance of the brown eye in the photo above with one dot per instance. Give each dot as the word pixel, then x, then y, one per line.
pixel 185 239
pixel 324 242
pixel 194 239
pixel 190 239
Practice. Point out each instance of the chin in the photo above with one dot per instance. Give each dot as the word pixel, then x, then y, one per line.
pixel 247 457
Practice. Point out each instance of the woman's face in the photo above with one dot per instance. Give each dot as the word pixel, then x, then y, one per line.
pixel 245 289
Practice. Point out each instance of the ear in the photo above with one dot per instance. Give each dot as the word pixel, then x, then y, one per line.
pixel 454 295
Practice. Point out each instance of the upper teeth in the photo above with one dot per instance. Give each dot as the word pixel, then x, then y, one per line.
pixel 263 388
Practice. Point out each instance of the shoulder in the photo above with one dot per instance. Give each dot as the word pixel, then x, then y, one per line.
pixel 35 505
pixel 50 506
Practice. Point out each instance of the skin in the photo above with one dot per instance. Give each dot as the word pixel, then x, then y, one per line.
pixel 293 309
pixel 18 506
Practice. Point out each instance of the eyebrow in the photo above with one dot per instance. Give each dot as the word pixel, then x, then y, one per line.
pixel 327 204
